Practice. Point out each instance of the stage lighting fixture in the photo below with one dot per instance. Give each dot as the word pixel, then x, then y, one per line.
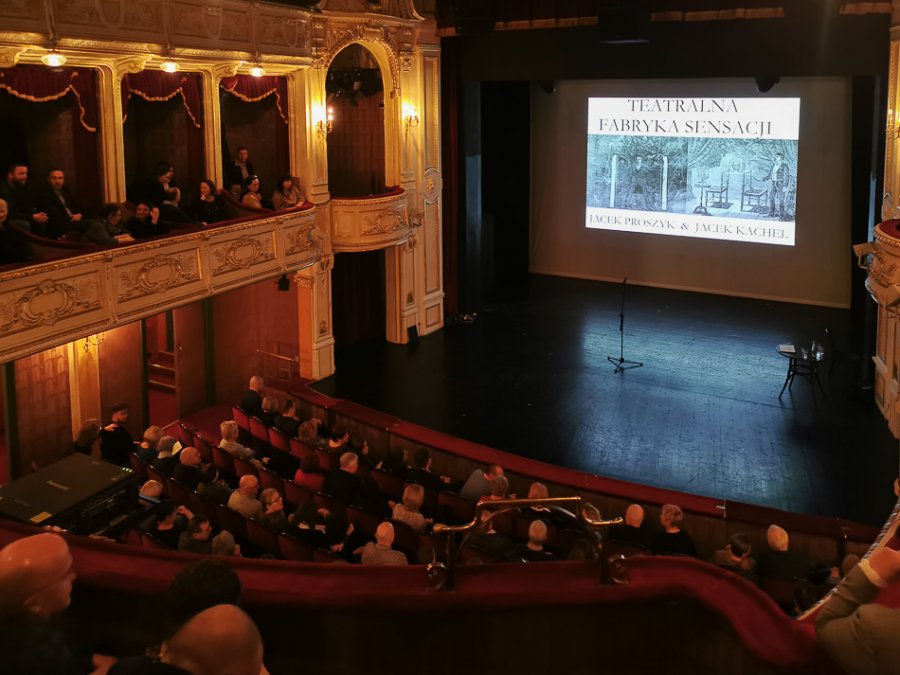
pixel 284 284
pixel 764 83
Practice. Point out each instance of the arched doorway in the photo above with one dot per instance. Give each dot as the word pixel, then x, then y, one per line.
pixel 356 144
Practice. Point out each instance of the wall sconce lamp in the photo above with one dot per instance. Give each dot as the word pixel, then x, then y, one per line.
pixel 257 71
pixel 410 116
pixel 326 126
pixel 53 59
pixel 862 253
pixel 93 341
pixel 169 66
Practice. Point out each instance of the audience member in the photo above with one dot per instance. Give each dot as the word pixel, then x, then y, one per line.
pixel 269 410
pixel 478 484
pixel 151 491
pixel 309 475
pixel 223 544
pixel 199 585
pixel 408 511
pixel 36 583
pixel 161 193
pixel 272 515
pixel 778 562
pixel 534 551
pixel 499 488
pixel 286 195
pixel 188 472
pixel 339 441
pixel 287 421
pixel 251 402
pixel 485 538
pixel 212 487
pixel 309 525
pixel 57 201
pixel 13 249
pixel 230 432
pixel 633 530
pixel 116 443
pixel 166 461
pixel 170 521
pixel 421 472
pixel 395 464
pixel 344 484
pixel 22 210
pixel 858 634
pixel 736 556
pixel 239 169
pixel 310 433
pixel 87 441
pixel 107 228
pixel 149 446
pixel 146 222
pixel 380 552
pixel 243 500
pixel 672 540
pixel 551 515
pixel 250 195
pixel 196 537
pixel 206 208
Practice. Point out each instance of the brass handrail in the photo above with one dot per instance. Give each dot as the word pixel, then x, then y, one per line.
pixel 435 571
pixel 291 359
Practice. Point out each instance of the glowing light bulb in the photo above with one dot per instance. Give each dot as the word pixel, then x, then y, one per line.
pixel 257 71
pixel 54 59
pixel 169 66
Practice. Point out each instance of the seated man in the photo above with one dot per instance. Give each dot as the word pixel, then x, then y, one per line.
pixel 251 402
pixel 421 472
pixel 485 538
pixel 196 537
pixel 36 583
pixel 189 470
pixel 238 170
pixel 736 556
pixel 672 540
pixel 161 191
pixel 149 447
pixel 212 487
pixel 778 562
pixel 243 500
pixel 380 552
pixel 56 200
pixel 170 521
pixel 287 421
pixel 344 484
pixel 633 530
pixel 478 484
pixel 166 461
pixel 116 442
pixel 23 212
pixel 859 635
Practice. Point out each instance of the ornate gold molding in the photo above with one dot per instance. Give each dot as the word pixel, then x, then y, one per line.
pixel 242 253
pixel 48 302
pixel 158 275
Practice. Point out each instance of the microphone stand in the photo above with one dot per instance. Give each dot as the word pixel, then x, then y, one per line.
pixel 622 363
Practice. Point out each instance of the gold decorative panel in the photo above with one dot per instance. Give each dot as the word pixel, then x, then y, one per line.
pixel 368 224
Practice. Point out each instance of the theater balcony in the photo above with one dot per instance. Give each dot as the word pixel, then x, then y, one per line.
pixel 377 221
pixel 91 291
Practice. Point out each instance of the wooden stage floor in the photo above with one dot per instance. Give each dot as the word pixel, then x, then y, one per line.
pixel 702 415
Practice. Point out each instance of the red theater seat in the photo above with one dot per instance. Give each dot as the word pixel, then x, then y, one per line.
pixel 462 510
pixel 299 449
pixel 263 537
pixel 389 484
pixel 293 549
pixel 139 468
pixel 204 448
pixel 270 479
pixel 223 460
pixel 243 422
pixel 327 461
pixel 363 521
pixel 406 539
pixel 244 467
pixel 200 505
pixel 178 492
pixel 155 474
pixel 260 433
pixel 278 440
pixel 232 521
pixel 295 495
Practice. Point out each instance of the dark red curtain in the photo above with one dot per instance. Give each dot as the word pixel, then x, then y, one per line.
pixel 251 89
pixel 156 85
pixel 40 84
pixel 356 147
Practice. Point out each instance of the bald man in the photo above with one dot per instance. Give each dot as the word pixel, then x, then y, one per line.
pixel 221 640
pixel 251 402
pixel 189 472
pixel 243 500
pixel 380 552
pixel 534 550
pixel 632 531
pixel 35 583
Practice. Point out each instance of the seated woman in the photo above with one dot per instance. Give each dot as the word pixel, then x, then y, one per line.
pixel 309 475
pixel 230 430
pixel 251 196
pixel 286 195
pixel 269 410
pixel 149 447
pixel 273 511
pixel 672 540
pixel 107 228
pixel 207 206
pixel 408 511
pixel 145 222
pixel 87 442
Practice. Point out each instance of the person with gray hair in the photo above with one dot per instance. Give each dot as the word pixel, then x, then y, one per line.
pixel 344 484
pixel 380 552
pixel 229 443
pixel 166 461
pixel 672 540
pixel 223 544
pixel 779 561
pixel 149 447
pixel 243 500
pixel 273 510
pixel 534 550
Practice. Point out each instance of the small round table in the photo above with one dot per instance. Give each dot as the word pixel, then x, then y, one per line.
pixel 803 363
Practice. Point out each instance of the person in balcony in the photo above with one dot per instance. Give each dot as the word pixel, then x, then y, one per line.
pixel 409 510
pixel 23 212
pixel 160 190
pixel 239 169
pixel 107 229
pixel 309 475
pixel 250 196
pixel 207 205
pixel 672 540
pixel 286 195
pixel 534 550
pixel 57 201
pixel 146 222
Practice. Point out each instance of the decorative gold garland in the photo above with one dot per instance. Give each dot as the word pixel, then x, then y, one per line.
pixel 147 97
pixel 53 97
pixel 251 99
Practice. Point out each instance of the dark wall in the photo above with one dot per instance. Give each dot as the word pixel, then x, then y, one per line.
pixel 358 298
pixel 258 126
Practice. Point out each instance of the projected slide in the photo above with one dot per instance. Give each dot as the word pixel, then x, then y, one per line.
pixel 715 168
